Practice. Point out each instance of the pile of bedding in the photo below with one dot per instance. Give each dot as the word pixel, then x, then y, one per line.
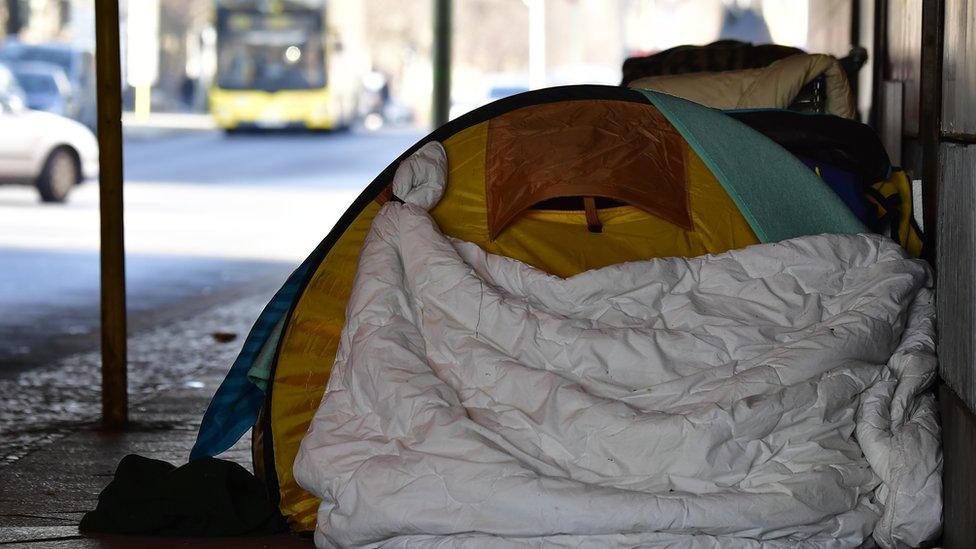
pixel 770 396
pixel 774 86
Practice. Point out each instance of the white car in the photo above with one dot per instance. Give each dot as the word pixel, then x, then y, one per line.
pixel 48 151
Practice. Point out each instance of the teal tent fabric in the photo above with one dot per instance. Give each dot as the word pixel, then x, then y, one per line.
pixel 777 194
pixel 260 372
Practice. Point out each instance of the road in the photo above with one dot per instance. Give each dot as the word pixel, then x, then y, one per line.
pixel 208 219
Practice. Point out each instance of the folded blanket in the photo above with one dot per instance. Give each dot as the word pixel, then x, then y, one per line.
pixel 772 396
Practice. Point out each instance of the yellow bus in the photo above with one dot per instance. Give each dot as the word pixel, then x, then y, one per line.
pixel 273 68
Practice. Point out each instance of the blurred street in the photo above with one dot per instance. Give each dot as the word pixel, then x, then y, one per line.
pixel 209 219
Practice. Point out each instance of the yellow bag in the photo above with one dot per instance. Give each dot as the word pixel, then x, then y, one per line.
pixel 892 199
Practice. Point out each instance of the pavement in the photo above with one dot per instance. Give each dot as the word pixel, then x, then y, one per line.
pixel 214 224
pixel 57 459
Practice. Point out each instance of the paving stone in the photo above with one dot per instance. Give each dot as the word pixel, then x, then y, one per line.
pixel 55 459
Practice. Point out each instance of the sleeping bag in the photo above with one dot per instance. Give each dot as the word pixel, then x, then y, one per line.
pixel 770 396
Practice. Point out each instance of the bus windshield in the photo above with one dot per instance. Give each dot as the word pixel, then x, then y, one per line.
pixel 270 51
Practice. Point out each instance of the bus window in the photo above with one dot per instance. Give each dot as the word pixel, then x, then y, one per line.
pixel 270 51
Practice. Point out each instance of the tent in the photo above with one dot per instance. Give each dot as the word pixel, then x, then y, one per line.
pixel 564 179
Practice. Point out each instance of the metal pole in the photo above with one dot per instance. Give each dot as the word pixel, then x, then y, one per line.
pixel 855 42
pixel 442 62
pixel 930 116
pixel 109 79
pixel 879 62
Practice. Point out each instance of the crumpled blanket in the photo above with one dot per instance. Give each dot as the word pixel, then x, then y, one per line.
pixel 772 396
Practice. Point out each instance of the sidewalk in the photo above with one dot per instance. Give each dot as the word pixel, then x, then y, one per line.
pixel 158 125
pixel 54 467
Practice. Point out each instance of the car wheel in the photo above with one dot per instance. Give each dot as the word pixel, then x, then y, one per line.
pixel 59 175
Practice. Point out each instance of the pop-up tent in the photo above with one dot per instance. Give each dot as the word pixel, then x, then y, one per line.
pixel 564 179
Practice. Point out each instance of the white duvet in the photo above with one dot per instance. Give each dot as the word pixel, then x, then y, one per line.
pixel 772 396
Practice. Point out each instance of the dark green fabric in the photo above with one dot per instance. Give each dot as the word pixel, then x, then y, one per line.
pixel 206 497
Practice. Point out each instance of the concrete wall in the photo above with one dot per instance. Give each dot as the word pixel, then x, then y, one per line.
pixel 904 49
pixel 959 69
pixel 956 266
pixel 957 206
pixel 956 237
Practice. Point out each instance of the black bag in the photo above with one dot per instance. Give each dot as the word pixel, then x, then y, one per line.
pixel 206 497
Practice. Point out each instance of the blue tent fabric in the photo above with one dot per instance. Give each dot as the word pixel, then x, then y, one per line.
pixel 847 185
pixel 237 402
pixel 777 194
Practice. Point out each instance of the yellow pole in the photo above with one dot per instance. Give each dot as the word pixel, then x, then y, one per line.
pixel 143 101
